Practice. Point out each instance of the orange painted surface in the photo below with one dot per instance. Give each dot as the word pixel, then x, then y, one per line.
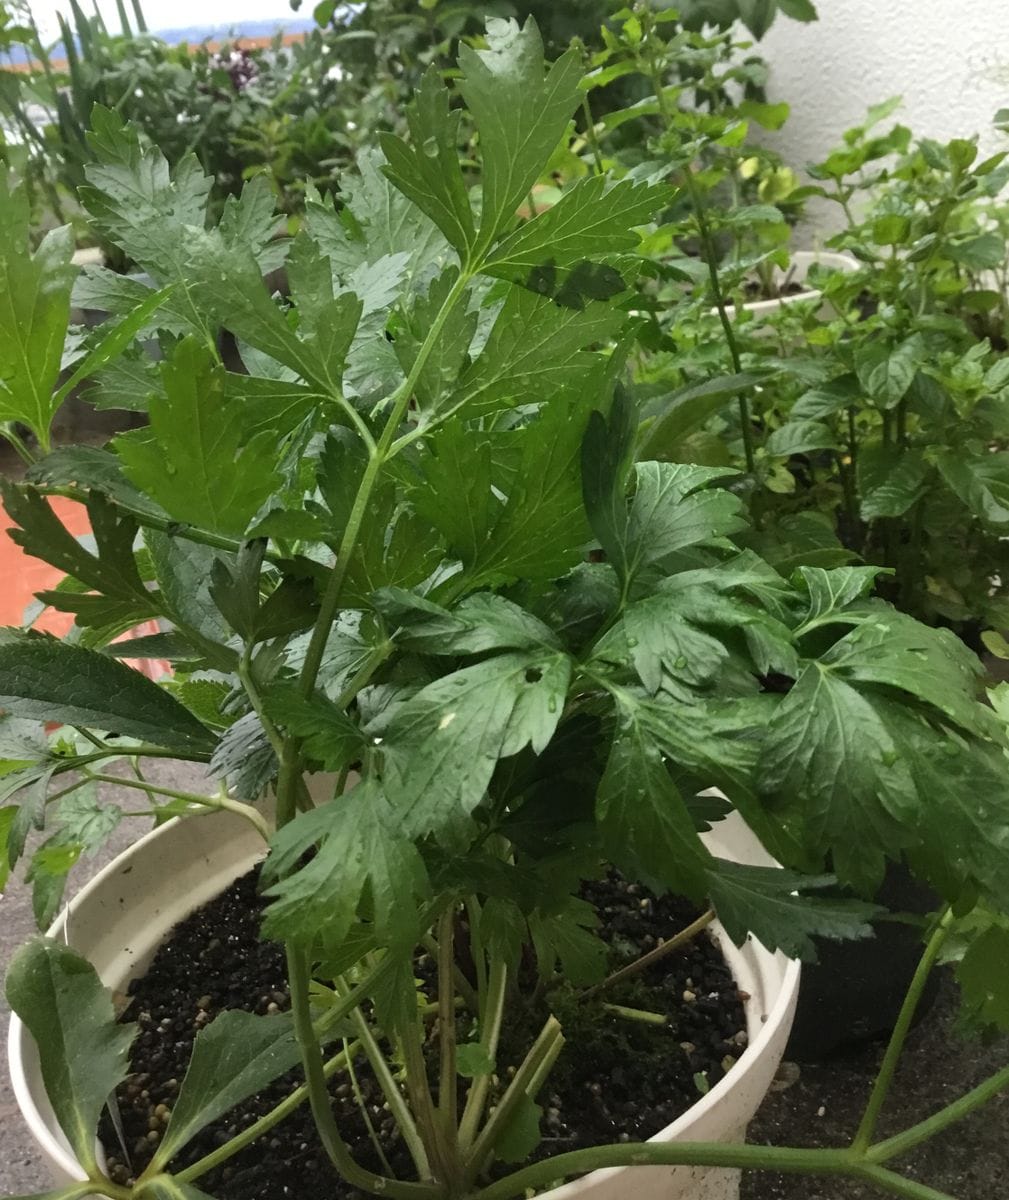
pixel 22 576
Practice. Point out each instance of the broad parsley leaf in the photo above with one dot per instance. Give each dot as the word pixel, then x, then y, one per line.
pixel 441 746
pixel 673 509
pixel 535 349
pixel 566 937
pixel 456 495
pixel 327 733
pixel 521 110
pixel 34 313
pixel 831 592
pixel 236 1056
pixel 83 1051
pixel 607 450
pixel 244 758
pixel 48 680
pixel 192 459
pixel 647 828
pixel 440 372
pixel 364 857
pixel 481 622
pixel 588 222
pixel 769 904
pixel 661 640
pixel 428 171
pixel 830 758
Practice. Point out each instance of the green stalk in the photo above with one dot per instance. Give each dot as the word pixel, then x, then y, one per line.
pixel 442 1152
pixel 473 914
pixel 889 1181
pixel 590 133
pixel 252 815
pixel 653 956
pixel 901 1143
pixel 369 1125
pixel 884 1079
pixel 299 977
pixel 448 1091
pixel 490 1033
pixel 520 1086
pixel 641 1015
pixel 7 430
pixel 265 1123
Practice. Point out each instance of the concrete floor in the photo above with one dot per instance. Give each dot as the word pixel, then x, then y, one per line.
pixel 820 1108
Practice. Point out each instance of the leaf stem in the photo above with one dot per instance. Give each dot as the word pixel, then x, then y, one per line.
pixel 223 801
pixel 265 1123
pixel 653 956
pixel 964 1106
pixel 884 1079
pixel 490 1032
pixel 590 133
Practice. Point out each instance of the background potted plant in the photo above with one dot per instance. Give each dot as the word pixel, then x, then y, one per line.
pixel 374 556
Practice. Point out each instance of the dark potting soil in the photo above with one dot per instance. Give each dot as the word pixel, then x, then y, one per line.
pixel 615 1080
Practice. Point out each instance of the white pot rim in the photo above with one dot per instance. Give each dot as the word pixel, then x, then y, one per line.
pixel 770 1023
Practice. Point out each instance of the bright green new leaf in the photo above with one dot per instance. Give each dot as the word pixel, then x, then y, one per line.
pixel 48 680
pixel 521 1135
pixel 441 747
pixel 521 110
pixel 82 1049
pixel 364 856
pixel 236 1056
pixel 886 372
pixel 472 1060
pixel 767 903
pixel 34 313
pixel 588 222
pixel 195 459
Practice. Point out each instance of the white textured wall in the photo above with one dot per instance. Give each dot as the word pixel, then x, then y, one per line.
pixel 949 59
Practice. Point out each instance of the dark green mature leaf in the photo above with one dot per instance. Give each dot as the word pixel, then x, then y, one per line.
pixel 521 1135
pixel 588 222
pixel 686 410
pixel 830 758
pixel 233 1058
pixel 890 482
pixel 982 252
pixel 671 511
pixel 661 640
pixel 441 747
pixel 442 368
pixel 82 1048
pixel 800 437
pixel 829 398
pixel 983 974
pixel 48 680
pixel 768 903
pixel 542 531
pixel 92 469
pixel 111 572
pixel 886 372
pixel 566 937
pixel 607 449
pixel 535 349
pixel 481 622
pixel 521 110
pixel 982 484
pixel 327 733
pixel 831 592
pixel 192 460
pixel 932 664
pixel 428 171
pixel 364 854
pixel 456 496
pixel 34 312
pixel 647 827
pixel 245 759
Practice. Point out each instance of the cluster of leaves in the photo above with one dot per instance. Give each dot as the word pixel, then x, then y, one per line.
pixel 402 538
pixel 879 406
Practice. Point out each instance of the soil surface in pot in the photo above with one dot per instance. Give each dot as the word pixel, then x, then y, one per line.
pixel 616 1079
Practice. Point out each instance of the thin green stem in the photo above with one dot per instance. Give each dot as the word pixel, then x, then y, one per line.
pixel 898 1185
pixel 252 691
pixel 476 949
pixel 443 1153
pixel 250 814
pixel 490 1032
pixel 963 1107
pixel 687 1154
pixel 448 1091
pixel 7 430
pixel 369 1125
pixel 641 1015
pixel 299 977
pixel 653 956
pixel 288 1105
pixel 884 1079
pixel 590 133
pixel 543 1047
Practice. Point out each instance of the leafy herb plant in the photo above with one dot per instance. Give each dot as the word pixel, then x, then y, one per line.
pixel 399 543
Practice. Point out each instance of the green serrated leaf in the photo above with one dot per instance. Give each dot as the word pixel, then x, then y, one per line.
pixel 983 974
pixel 326 731
pixel 236 1056
pixel 192 460
pixel 472 1060
pixel 82 1048
pixel 771 905
pixel 48 680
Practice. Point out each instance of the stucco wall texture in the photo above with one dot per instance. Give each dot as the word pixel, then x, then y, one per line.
pixel 949 59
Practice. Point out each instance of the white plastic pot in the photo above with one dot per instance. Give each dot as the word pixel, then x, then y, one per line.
pixel 123 914
pixel 797 272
